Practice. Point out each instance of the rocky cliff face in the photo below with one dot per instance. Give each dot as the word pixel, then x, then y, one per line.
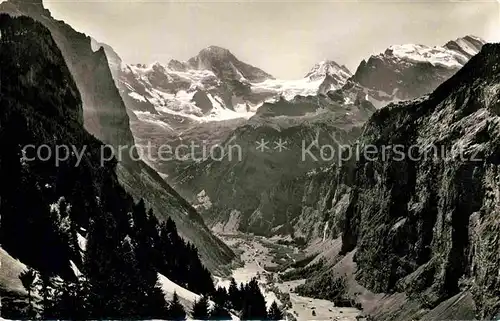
pixel 425 223
pixel 43 201
pixel 105 117
pixel 104 113
pixel 326 196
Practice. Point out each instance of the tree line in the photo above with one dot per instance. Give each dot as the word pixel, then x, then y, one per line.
pixel 118 278
pixel 60 299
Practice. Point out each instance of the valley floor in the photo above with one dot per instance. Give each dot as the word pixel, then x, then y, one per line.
pixel 258 256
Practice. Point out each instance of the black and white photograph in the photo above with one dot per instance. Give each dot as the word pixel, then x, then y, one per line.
pixel 328 160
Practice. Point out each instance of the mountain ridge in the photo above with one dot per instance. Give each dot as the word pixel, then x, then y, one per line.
pixel 105 116
pixel 422 230
pixel 408 71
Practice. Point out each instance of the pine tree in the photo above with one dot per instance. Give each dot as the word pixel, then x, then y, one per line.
pixel 198 278
pixel 176 310
pixel 27 278
pixel 122 286
pixel 221 297
pixel 254 303
pixel 274 312
pixel 179 260
pixel 139 216
pixel 45 283
pixel 82 295
pixel 145 259
pixel 200 309
pixel 102 264
pixel 219 313
pixel 234 295
pixel 69 301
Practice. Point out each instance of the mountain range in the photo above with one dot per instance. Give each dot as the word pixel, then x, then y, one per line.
pixel 215 85
pixel 208 99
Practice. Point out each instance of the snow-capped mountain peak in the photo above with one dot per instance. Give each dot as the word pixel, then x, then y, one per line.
pixel 329 74
pixel 210 56
pixel 453 54
pixel 216 85
pixel 216 51
pixel 226 66
pixel 158 67
pixel 437 56
pixel 328 67
pixel 408 71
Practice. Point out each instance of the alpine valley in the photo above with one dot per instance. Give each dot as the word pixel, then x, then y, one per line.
pixel 267 214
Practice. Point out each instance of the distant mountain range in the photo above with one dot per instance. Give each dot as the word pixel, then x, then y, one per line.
pixel 215 85
pixel 214 97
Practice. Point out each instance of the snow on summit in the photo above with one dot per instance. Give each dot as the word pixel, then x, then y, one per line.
pixel 437 56
pixel 214 86
pixel 408 71
pixel 452 55
pixel 328 67
pixel 325 73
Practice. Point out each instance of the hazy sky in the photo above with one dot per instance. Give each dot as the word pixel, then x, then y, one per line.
pixel 283 38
